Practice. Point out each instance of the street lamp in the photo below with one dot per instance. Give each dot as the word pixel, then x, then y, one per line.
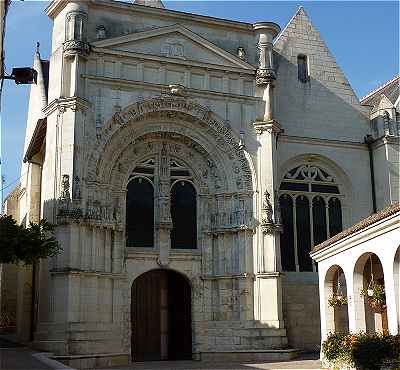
pixel 22 76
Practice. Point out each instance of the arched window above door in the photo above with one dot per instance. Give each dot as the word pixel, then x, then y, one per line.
pixel 311 208
pixel 184 215
pixel 140 213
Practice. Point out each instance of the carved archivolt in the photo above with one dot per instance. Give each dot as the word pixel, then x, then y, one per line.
pixel 191 135
pixel 180 121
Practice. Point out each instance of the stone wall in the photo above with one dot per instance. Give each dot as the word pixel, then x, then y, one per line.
pixel 301 309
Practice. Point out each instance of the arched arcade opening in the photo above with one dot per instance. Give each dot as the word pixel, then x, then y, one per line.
pixel 370 285
pixel 336 308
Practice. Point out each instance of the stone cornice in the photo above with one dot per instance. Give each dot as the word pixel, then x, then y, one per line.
pixel 72 271
pixel 320 141
pixel 175 61
pixel 384 140
pixel 175 15
pixel 268 275
pixel 164 88
pixel 269 126
pixel 245 275
pixel 57 5
pixel 62 104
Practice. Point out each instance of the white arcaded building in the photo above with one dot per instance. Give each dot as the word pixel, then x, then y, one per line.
pixel 365 254
pixel 190 164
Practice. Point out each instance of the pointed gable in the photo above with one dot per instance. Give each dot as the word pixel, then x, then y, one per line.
pixel 326 90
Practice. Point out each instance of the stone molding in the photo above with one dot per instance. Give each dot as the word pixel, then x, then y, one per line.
pixel 269 127
pixel 149 86
pixel 60 105
pixel 245 275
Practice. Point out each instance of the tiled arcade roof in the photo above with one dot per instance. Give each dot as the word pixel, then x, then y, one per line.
pixel 370 220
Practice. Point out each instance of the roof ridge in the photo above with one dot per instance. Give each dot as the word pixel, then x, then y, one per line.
pixel 380 87
pixel 300 8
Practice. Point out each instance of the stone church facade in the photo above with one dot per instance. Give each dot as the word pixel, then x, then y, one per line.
pixel 190 164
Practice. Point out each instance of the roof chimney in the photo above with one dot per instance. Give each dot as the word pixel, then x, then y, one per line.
pixel 152 3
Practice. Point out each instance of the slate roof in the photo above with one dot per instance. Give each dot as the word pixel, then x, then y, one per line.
pixel 370 220
pixel 391 89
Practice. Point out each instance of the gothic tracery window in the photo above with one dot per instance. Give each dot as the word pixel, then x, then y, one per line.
pixel 311 212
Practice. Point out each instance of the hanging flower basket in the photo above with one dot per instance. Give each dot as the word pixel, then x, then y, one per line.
pixel 337 300
pixel 376 297
pixel 375 306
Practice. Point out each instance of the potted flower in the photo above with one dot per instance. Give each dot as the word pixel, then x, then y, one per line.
pixel 375 294
pixel 337 300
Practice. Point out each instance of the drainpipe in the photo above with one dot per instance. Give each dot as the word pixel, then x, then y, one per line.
pixel 369 140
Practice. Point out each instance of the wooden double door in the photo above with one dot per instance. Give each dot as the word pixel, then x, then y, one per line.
pixel 161 317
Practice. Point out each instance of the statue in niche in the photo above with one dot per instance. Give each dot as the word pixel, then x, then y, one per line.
pixel 76 188
pixel 267 208
pixel 241 53
pixel 65 195
pixel 101 32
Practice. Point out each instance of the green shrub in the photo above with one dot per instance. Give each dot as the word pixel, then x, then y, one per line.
pixel 336 348
pixel 370 351
pixel 363 351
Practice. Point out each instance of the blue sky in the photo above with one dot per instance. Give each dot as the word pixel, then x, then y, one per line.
pixel 363 36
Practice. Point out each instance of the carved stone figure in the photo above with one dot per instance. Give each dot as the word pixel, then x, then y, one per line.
pixel 241 53
pixel 65 194
pixel 76 188
pixel 101 32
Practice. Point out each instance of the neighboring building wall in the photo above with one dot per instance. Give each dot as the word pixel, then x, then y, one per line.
pixel 384 140
pixel 15 295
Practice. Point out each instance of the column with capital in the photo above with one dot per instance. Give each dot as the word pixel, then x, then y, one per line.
pixel 268 284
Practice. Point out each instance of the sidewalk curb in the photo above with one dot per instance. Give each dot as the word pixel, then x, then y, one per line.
pixel 55 365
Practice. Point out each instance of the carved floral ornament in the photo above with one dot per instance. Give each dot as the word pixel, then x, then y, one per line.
pixel 309 172
pixel 168 109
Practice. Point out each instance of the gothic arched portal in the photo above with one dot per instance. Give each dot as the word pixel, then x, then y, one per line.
pixel 161 317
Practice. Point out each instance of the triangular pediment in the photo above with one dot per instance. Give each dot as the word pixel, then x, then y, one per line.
pixel 175 42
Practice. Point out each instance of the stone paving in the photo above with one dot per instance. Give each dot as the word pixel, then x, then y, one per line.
pixel 16 357
pixel 304 362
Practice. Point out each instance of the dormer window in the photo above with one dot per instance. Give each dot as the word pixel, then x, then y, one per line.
pixel 302 68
